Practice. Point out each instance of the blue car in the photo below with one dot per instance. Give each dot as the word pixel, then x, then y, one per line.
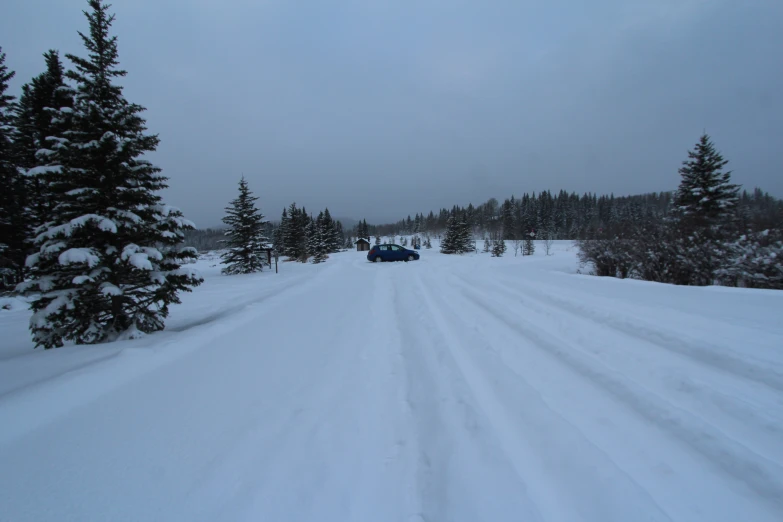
pixel 391 253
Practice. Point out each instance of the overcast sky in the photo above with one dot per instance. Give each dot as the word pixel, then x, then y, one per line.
pixel 382 108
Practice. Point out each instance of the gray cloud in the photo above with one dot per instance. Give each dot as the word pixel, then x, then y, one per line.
pixel 383 108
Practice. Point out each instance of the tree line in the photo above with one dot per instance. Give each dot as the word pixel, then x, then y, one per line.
pixel 301 236
pixel 572 216
pixel 708 231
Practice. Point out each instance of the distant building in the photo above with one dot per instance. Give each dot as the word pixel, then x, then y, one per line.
pixel 362 245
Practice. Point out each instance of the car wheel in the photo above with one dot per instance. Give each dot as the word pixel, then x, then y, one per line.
pixel 377 259
pixel 411 258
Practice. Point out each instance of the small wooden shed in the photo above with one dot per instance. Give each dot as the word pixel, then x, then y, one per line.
pixel 362 245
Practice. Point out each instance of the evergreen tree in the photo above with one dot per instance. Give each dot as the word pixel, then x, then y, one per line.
pixel 449 243
pixel 25 139
pixel 13 195
pixel 295 234
pixel 291 232
pixel 498 248
pixel 340 235
pixel 45 114
pixel 313 237
pixel 529 246
pixel 277 239
pixel 302 222
pixel 705 212
pixel 246 241
pixel 317 245
pixel 458 238
pixel 464 237
pixel 377 240
pixel 326 225
pixel 509 223
pixel 280 234
pixel 290 239
pixel 427 243
pixel 706 197
pixel 363 230
pixel 108 264
pixel 487 244
pixel 331 235
pixel 34 121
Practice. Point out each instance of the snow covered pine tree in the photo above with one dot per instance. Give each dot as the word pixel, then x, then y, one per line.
pixel 15 218
pixel 529 247
pixel 449 243
pixel 465 241
pixel 108 264
pixel 13 193
pixel 316 243
pixel 498 248
pixel 38 116
pixel 246 241
pixel 295 234
pixel 331 234
pixel 704 215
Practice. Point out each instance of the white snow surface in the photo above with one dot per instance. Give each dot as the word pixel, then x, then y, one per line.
pixel 78 255
pixel 454 388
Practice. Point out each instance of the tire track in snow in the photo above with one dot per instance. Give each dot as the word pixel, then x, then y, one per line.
pixel 399 480
pixel 463 475
pixel 351 456
pixel 569 477
pixel 276 290
pixel 761 476
pixel 704 354
pixel 754 419
pixel 432 436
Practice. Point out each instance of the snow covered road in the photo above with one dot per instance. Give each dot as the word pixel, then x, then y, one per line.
pixel 456 388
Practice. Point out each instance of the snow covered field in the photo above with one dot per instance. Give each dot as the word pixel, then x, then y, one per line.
pixel 455 388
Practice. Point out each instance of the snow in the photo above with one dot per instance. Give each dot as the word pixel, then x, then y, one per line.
pixel 140 260
pixel 37 171
pixel 13 303
pixel 448 389
pixel 129 216
pixel 78 255
pixel 110 289
pixel 105 224
pixel 79 191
